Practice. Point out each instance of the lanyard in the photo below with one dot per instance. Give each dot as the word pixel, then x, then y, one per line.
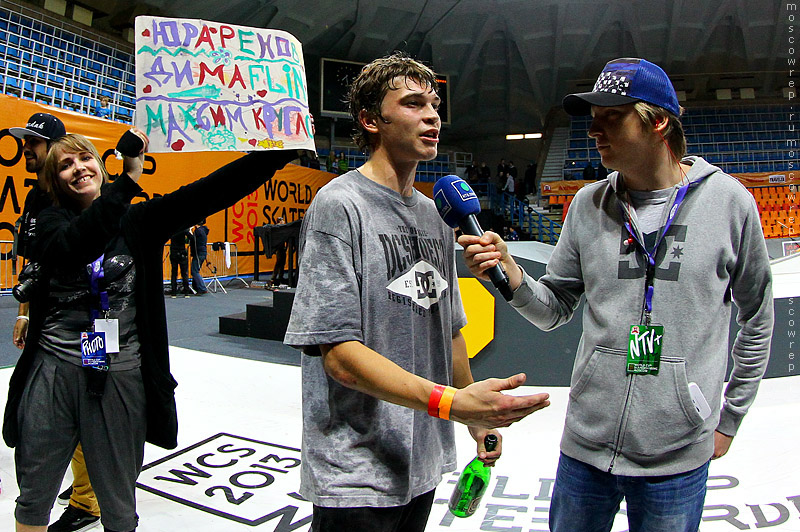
pixel 650 255
pixel 96 274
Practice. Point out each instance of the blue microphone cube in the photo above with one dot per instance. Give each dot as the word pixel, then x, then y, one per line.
pixel 455 199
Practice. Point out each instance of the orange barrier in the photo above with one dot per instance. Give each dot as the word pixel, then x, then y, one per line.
pixel 776 194
pixel 562 187
pixel 766 179
pixel 770 180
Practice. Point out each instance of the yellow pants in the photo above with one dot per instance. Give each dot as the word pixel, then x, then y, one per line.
pixel 82 493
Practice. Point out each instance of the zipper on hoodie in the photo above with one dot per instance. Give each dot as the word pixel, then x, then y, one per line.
pixel 618 439
pixel 625 205
pixel 649 276
pixel 646 318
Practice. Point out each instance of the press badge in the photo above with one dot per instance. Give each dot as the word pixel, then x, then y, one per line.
pixel 93 349
pixel 111 328
pixel 644 349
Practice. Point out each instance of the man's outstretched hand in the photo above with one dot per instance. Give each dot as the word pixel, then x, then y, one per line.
pixel 482 404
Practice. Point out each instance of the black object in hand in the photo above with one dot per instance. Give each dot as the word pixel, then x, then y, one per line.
pixel 28 283
pixel 130 144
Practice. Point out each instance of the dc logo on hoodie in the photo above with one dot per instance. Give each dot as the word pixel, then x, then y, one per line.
pixel 632 262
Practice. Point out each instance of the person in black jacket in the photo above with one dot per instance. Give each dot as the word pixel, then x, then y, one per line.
pixel 197 244
pixel 179 260
pixel 37 135
pixel 280 262
pixel 101 262
pixel 588 172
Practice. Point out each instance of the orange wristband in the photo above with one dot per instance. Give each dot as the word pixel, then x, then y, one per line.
pixel 446 402
pixel 433 401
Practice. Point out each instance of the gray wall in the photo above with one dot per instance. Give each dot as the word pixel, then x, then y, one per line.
pixel 547 358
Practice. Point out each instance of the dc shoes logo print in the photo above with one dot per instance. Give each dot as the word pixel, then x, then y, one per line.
pixel 421 285
pixel 668 258
pixel 426 284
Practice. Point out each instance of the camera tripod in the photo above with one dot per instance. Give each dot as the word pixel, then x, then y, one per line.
pixel 215 284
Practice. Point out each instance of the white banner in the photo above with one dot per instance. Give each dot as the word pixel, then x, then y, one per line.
pixel 207 86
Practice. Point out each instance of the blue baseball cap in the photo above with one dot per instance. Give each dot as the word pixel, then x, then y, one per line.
pixel 622 81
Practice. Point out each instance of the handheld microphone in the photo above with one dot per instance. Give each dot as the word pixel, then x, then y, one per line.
pixel 457 205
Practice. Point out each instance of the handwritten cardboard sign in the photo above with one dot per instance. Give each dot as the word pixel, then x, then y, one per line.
pixel 207 86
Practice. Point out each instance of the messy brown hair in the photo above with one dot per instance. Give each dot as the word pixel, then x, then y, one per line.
pixel 375 80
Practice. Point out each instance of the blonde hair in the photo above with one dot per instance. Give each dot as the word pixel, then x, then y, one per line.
pixel 673 134
pixel 71 143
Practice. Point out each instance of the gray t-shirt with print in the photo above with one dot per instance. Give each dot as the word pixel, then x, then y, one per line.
pixel 649 206
pixel 377 268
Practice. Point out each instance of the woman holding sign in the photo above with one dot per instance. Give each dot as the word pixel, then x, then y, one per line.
pixel 95 368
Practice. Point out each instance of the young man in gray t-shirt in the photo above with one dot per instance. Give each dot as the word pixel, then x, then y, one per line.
pixel 378 314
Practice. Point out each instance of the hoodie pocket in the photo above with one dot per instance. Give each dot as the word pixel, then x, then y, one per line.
pixel 597 397
pixel 661 415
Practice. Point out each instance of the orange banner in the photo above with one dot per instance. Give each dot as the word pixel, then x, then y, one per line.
pixel 550 188
pixel 762 179
pixel 287 194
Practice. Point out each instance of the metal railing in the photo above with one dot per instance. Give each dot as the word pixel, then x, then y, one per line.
pixel 10 265
pixel 215 269
pixel 519 214
pixel 52 61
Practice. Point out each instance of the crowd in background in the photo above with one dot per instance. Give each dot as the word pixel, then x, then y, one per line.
pixel 507 178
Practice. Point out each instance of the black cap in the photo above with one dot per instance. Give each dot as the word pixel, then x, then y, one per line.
pixel 42 125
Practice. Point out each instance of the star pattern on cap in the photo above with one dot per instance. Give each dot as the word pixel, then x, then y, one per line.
pixel 613 83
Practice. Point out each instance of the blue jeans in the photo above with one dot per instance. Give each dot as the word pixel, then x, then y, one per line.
pixel 198 283
pixel 587 499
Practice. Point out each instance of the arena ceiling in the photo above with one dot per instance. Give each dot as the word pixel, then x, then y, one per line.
pixel 511 61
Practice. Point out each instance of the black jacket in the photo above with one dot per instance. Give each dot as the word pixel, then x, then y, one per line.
pixel 68 238
pixel 198 241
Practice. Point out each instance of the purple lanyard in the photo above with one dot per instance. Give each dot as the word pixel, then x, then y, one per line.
pixel 95 276
pixel 651 255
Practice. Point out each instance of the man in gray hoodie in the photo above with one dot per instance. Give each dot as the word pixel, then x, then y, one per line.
pixel 662 249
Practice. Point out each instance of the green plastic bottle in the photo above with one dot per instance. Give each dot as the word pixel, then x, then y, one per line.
pixel 472 483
